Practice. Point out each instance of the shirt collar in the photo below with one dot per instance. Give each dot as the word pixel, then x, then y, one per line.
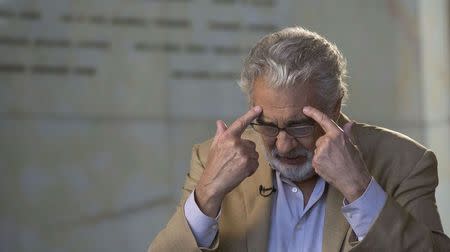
pixel 318 191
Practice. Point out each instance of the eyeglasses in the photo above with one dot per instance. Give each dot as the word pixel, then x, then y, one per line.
pixel 294 131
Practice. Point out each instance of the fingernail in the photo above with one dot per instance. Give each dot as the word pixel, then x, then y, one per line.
pixel 305 109
pixel 257 109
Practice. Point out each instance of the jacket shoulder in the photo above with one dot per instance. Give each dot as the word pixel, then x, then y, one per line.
pixel 375 138
pixel 391 156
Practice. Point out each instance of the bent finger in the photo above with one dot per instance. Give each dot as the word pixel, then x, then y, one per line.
pixel 323 120
pixel 238 126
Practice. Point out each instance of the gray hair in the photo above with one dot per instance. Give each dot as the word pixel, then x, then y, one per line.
pixel 294 56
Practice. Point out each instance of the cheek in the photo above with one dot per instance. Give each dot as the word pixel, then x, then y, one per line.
pixel 269 143
pixel 310 142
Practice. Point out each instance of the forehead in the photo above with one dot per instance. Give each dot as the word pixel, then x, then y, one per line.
pixel 283 104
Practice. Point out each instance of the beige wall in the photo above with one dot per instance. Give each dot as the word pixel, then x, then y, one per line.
pixel 101 102
pixel 435 82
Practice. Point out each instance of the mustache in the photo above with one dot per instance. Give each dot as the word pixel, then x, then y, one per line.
pixel 292 154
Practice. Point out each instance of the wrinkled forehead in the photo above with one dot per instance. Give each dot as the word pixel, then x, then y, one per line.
pixel 294 97
pixel 284 105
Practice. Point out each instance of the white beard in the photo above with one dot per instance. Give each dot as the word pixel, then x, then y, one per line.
pixel 295 173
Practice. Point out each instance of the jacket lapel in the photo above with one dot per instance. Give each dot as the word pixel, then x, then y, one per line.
pixel 258 208
pixel 335 226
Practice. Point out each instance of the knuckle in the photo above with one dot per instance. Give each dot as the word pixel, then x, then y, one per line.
pixel 318 142
pixel 241 123
pixel 234 143
pixel 241 150
pixel 322 118
pixel 256 166
pixel 224 135
pixel 252 168
pixel 252 144
pixel 244 160
pixel 315 165
pixel 222 138
pixel 317 158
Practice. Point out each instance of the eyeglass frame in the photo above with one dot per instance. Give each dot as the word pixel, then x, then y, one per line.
pixel 285 129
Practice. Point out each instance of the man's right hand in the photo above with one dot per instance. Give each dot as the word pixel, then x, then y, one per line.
pixel 231 159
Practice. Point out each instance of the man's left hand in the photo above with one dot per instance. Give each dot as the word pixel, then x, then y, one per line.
pixel 337 159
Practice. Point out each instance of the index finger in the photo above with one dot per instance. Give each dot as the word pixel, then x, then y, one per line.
pixel 323 120
pixel 238 126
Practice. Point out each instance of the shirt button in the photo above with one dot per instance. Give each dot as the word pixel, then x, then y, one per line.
pixel 294 189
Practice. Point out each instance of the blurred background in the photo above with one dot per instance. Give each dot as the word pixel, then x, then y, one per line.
pixel 101 101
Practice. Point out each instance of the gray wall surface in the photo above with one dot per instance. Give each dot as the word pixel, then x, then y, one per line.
pixel 101 102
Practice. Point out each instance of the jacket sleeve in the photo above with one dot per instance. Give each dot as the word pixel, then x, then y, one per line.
pixel 409 220
pixel 177 235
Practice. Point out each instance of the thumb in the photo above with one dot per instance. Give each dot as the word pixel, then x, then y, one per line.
pixel 348 131
pixel 221 128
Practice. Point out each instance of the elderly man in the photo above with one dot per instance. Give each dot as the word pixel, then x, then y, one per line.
pixel 304 177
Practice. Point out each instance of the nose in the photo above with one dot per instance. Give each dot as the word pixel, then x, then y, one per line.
pixel 286 143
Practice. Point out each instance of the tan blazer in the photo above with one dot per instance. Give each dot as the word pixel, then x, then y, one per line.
pixel 409 221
